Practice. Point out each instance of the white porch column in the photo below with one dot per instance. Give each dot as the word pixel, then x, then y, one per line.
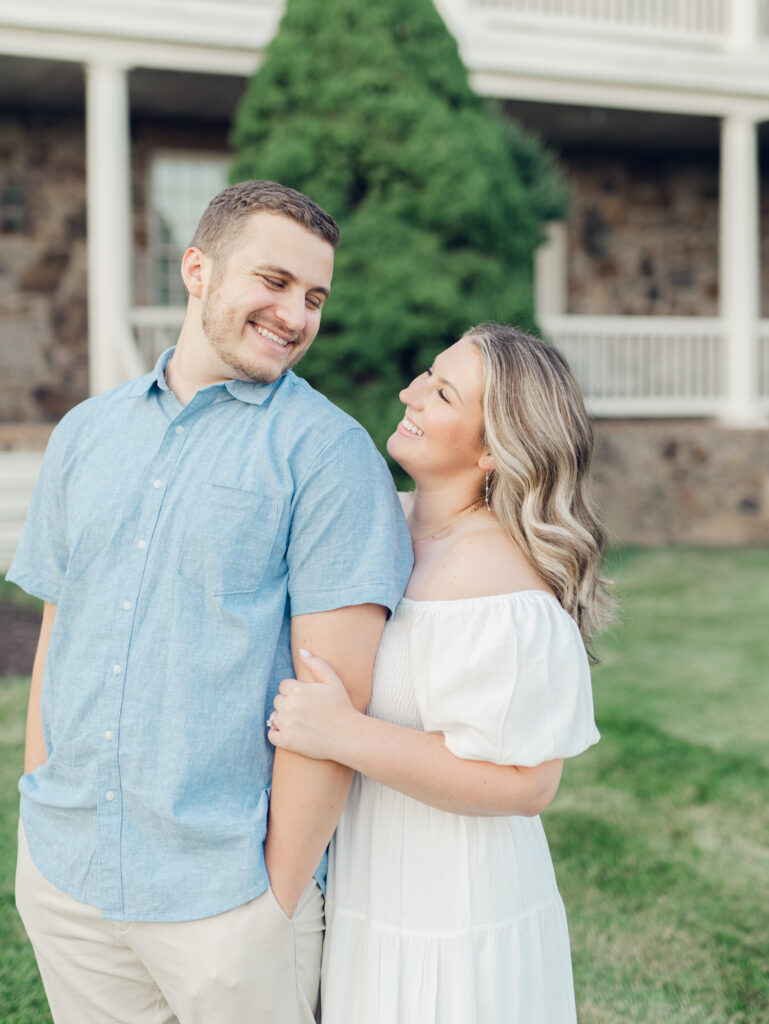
pixel 108 175
pixel 551 272
pixel 743 29
pixel 739 258
pixel 454 13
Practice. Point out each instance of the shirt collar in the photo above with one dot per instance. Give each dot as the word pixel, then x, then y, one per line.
pixel 242 390
pixel 157 376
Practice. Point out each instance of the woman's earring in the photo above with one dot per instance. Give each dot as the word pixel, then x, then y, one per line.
pixel 488 506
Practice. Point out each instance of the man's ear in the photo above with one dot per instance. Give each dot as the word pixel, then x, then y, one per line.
pixel 194 271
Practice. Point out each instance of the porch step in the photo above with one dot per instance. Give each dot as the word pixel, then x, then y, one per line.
pixel 18 474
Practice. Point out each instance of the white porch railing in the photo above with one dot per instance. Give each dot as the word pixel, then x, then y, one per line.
pixel 155 328
pixel 626 366
pixel 688 17
pixel 18 474
pixel 643 366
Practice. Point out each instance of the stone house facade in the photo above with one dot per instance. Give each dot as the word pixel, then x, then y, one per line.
pixel 655 286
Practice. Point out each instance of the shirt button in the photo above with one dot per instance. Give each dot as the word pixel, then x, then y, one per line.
pixel 157 484
pixel 109 795
pixel 179 430
pixel 127 606
pixel 141 545
pixel 109 736
pixel 116 670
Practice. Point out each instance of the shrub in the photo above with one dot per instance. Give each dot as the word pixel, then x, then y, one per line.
pixel 440 200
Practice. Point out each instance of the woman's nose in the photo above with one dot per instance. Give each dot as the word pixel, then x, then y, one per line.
pixel 409 395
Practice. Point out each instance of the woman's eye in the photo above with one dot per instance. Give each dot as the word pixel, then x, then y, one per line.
pixel 440 392
pixel 428 371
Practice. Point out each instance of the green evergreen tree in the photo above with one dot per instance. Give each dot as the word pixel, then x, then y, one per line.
pixel 440 200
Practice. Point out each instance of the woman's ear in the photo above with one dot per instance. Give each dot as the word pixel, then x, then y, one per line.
pixel 486 462
pixel 193 271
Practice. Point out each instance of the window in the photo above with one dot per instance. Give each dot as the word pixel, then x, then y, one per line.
pixel 181 186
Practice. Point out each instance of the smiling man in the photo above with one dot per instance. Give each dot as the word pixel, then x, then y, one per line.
pixel 190 532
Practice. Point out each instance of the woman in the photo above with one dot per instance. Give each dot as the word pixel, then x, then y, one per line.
pixel 442 903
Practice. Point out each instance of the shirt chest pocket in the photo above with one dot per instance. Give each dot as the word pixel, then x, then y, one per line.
pixel 228 540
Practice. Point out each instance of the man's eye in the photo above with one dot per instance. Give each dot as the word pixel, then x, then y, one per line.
pixel 274 282
pixel 314 303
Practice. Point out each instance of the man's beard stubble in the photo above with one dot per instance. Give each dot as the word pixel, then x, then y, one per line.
pixel 215 329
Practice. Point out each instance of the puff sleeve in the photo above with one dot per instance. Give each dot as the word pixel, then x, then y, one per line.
pixel 505 678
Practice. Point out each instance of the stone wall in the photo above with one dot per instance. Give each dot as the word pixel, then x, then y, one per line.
pixel 43 354
pixel 643 237
pixel 658 482
pixel 43 271
pixel 643 234
pixel 682 482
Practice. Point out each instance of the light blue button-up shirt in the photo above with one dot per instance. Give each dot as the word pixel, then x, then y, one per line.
pixel 177 542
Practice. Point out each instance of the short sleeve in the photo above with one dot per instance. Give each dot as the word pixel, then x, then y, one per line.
pixel 348 543
pixel 40 563
pixel 505 679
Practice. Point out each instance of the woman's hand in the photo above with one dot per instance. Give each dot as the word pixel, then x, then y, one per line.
pixel 312 718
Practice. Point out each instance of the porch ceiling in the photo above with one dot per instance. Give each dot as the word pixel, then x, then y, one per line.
pixel 569 127
pixel 28 84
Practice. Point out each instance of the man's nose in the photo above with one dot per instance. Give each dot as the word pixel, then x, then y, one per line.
pixel 290 309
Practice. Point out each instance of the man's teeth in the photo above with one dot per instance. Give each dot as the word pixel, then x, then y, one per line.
pixel 268 334
pixel 412 428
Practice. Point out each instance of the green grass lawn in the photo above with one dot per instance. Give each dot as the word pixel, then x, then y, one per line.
pixel 660 834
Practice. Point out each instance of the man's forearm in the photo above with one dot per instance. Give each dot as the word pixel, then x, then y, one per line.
pixel 306 803
pixel 308 796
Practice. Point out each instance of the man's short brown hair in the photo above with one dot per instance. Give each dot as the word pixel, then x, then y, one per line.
pixel 221 221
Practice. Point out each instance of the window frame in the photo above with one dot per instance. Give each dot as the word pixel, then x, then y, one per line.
pixel 154 243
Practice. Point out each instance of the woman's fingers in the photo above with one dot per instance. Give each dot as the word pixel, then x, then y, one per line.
pixel 285 700
pixel 288 686
pixel 309 716
pixel 321 669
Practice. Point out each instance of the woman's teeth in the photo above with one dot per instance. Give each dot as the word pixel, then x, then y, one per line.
pixel 412 427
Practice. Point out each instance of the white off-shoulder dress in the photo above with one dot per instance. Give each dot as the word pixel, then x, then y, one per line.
pixel 450 918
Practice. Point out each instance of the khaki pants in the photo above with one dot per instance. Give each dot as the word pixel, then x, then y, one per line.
pixel 250 965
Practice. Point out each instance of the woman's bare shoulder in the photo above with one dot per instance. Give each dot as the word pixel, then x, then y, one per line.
pixel 480 563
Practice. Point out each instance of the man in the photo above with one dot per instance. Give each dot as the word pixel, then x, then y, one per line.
pixel 191 531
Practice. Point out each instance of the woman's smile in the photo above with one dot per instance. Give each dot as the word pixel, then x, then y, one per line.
pixel 408 426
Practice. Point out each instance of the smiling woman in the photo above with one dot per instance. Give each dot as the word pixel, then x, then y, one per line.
pixel 444 413
pixel 442 903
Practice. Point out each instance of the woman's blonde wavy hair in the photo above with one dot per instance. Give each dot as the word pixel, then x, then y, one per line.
pixel 540 436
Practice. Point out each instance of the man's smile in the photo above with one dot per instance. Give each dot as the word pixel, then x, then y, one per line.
pixel 271 335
